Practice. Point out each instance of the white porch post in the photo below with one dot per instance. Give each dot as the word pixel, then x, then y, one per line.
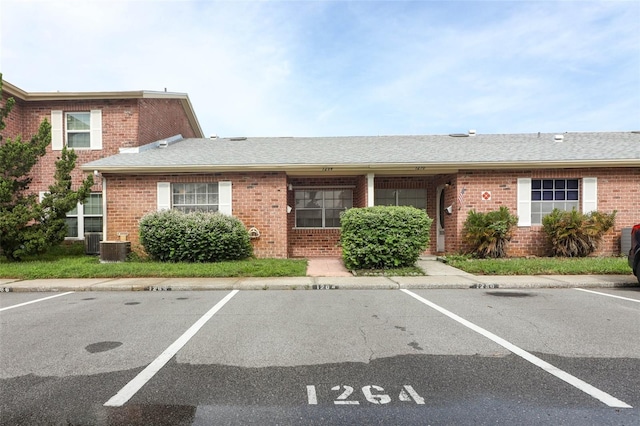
pixel 370 192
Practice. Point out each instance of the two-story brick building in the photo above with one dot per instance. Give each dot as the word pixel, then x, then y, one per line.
pixel 95 125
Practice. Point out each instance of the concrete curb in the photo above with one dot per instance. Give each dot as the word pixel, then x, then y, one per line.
pixel 321 283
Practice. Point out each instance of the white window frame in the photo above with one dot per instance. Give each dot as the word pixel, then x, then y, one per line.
pixel 587 197
pixel 59 132
pixel 165 195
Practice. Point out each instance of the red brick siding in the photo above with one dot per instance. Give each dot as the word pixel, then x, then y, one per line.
pixel 162 118
pixel 259 200
pixel 618 189
pixel 320 242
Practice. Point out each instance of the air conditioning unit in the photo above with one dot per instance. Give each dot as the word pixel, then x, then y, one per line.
pixel 92 242
pixel 114 251
pixel 625 241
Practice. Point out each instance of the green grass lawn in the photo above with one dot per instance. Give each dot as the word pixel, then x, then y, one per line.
pixel 541 265
pixel 69 261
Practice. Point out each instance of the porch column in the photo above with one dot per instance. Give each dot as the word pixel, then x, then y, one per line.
pixel 370 192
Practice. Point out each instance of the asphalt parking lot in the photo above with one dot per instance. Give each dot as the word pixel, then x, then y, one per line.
pixel 466 356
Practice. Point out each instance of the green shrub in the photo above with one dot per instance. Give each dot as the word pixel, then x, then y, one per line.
pixel 574 234
pixel 383 236
pixel 172 236
pixel 489 233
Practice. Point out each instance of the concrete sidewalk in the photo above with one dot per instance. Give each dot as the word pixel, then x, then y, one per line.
pixel 325 274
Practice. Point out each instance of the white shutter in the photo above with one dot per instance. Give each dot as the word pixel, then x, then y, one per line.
pixel 224 198
pixel 96 129
pixel 57 137
pixel 589 194
pixel 524 202
pixel 164 196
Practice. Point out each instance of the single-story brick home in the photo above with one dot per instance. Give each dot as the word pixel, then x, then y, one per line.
pixel 291 190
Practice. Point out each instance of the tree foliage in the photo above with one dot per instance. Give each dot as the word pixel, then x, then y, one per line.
pixel 27 226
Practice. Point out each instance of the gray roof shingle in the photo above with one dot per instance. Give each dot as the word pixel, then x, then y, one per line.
pixel 621 148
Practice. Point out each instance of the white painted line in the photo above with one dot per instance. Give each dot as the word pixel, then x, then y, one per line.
pixel 131 388
pixel 608 295
pixel 312 397
pixel 35 301
pixel 572 380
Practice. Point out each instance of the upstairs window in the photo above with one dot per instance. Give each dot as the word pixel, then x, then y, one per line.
pixel 77 130
pixel 78 125
pixel 321 208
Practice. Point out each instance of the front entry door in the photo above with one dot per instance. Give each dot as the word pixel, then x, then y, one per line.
pixel 440 220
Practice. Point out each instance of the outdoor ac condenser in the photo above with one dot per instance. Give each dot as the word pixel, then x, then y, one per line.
pixel 92 242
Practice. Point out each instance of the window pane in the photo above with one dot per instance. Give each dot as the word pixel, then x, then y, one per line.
pixel 78 140
pixel 72 226
pixel 547 195
pixel 332 218
pixel 536 195
pixel 309 218
pixel 93 205
pixel 572 183
pixel 560 183
pixel 78 121
pixel 536 184
pixel 559 195
pixel 92 224
pixel 547 184
pixel 572 195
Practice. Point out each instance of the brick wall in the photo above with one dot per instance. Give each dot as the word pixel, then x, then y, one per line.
pixel 259 200
pixel 618 189
pixel 314 242
pixel 162 118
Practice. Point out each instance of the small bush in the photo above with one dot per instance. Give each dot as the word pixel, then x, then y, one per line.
pixel 383 236
pixel 489 233
pixel 574 234
pixel 172 236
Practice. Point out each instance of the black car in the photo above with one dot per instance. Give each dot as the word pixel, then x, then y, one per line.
pixel 634 253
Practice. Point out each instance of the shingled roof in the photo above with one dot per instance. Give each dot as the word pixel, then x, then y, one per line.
pixel 357 154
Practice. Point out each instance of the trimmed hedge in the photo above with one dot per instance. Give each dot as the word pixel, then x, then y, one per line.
pixel 383 237
pixel 173 236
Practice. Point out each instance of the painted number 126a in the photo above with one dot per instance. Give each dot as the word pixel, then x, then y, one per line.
pixel 346 395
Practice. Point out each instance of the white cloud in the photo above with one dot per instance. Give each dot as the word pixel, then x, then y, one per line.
pixel 334 68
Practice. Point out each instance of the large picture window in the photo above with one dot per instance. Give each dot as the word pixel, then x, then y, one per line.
pixel 549 194
pixel 321 208
pixel 189 197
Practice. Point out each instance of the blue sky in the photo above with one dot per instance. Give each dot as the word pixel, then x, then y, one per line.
pixel 333 68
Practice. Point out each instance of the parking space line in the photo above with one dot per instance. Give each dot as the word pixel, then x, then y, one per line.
pixel 562 375
pixel 131 388
pixel 608 295
pixel 35 301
